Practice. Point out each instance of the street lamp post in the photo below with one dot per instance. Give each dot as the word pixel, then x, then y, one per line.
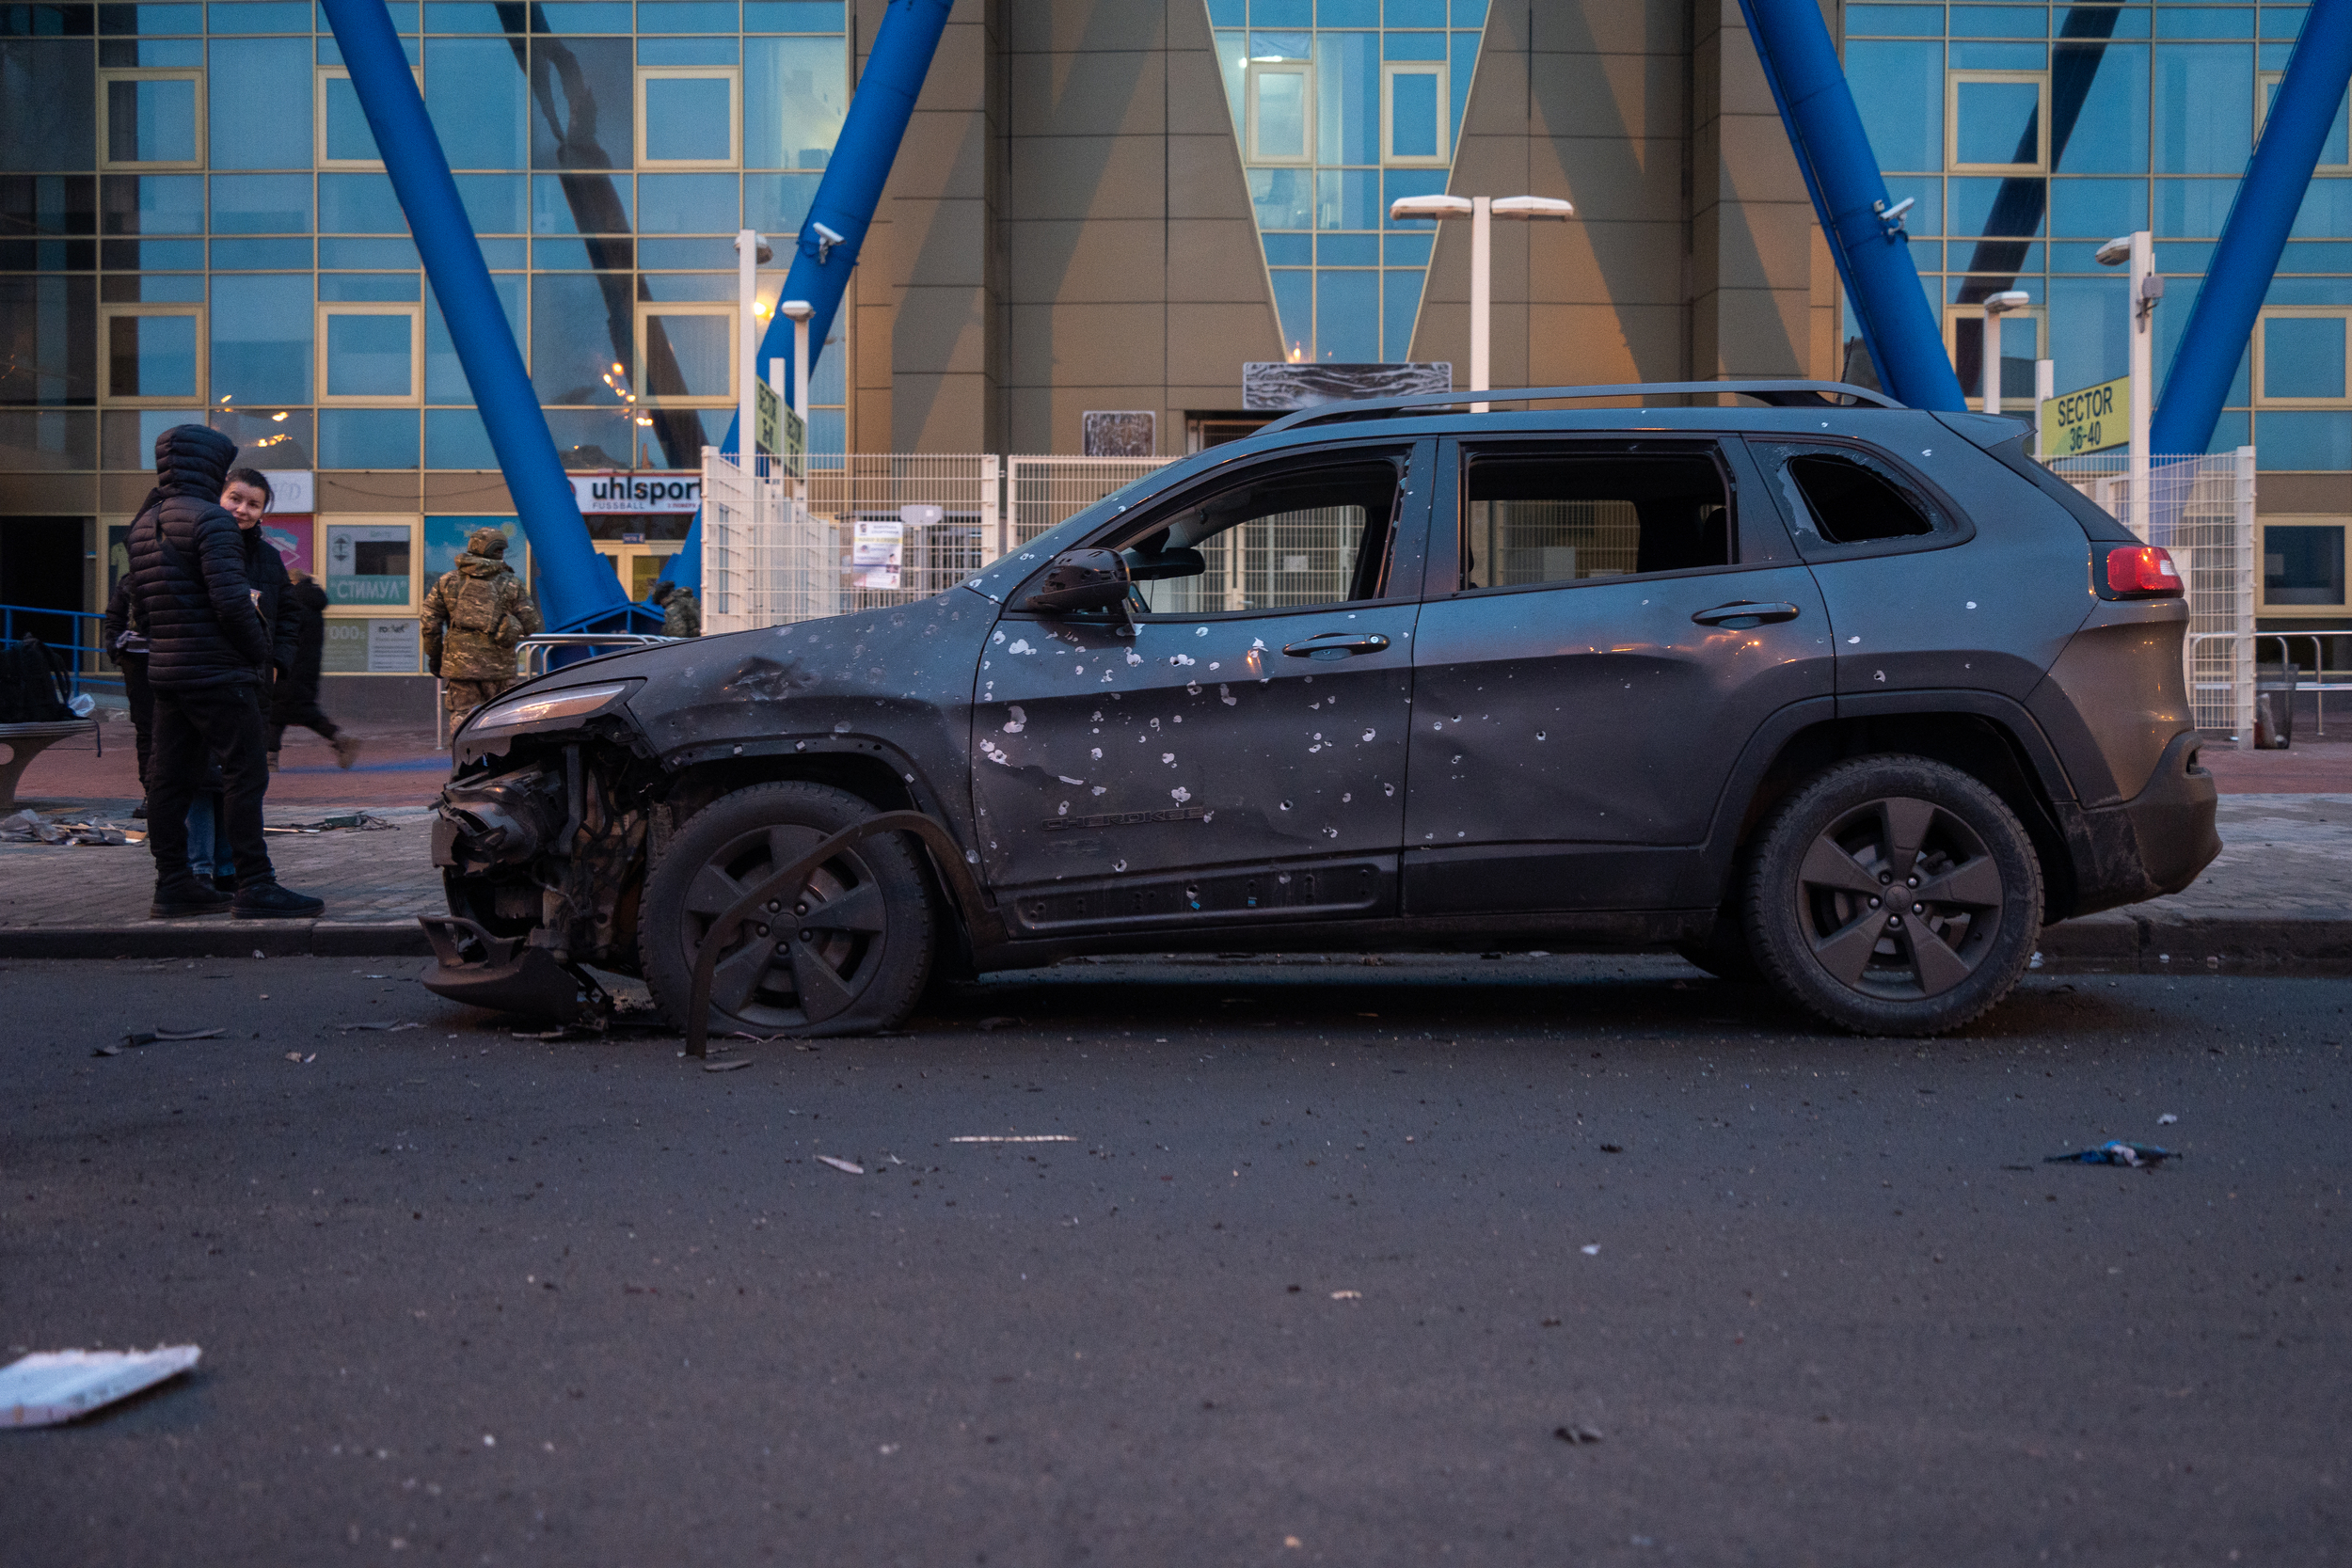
pixel 798 311
pixel 749 251
pixel 1996 305
pixel 2138 250
pixel 1481 211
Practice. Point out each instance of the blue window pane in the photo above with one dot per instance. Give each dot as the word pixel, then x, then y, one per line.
pixel 358 205
pixel 1412 46
pixel 261 204
pixel 796 93
pixel 2316 256
pixel 151 357
pixel 588 109
pixel 462 16
pixel 1901 21
pixel 348 137
pixel 1282 46
pixel 2309 291
pixel 1347 250
pixel 2193 209
pixel 1396 182
pixel 2089 338
pixel 1898 88
pixel 1348 198
pixel 260 350
pixel 480 101
pixel 1996 122
pixel 1966 55
pixel 686 16
pixel 122 20
pixel 1407 250
pixel 598 16
pixel 155 254
pixel 553 210
pixel 776 204
pixel 367 438
pixel 2098 209
pixel 1925 216
pixel 152 204
pixel 505 255
pixel 792 16
pixel 827 378
pixel 1347 98
pixel 374 255
pixel 266 16
pixel 689 255
pixel 2284 22
pixel 1235 13
pixel 2204 21
pixel 2204 108
pixel 1328 13
pixel 688 203
pixel 147 121
pixel 261 255
pixel 1976 208
pixel 1459 79
pixel 444 377
pixel 1295 304
pixel 573 328
pixel 828 428
pixel 2232 430
pixel 1999 22
pixel 2303 441
pixel 343 288
pixel 687 118
pixel 1408 13
pixel 2109 135
pixel 582 254
pixel 1469 13
pixel 2303 356
pixel 368 356
pixel 496 203
pixel 1283 198
pixel 264 119
pixel 1282 13
pixel 1289 250
pixel 1412 116
pixel 1400 299
pixel 1347 316
pixel 688 52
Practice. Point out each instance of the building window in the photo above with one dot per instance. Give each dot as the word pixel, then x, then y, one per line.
pixel 1413 113
pixel 2299 357
pixel 2021 339
pixel 693 357
pixel 687 116
pixel 2303 565
pixel 1281 98
pixel 1997 123
pixel 151 120
pixel 372 353
pixel 345 138
pixel 2335 153
pixel 154 354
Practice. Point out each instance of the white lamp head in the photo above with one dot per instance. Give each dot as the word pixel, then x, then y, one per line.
pixel 1430 207
pixel 2008 299
pixel 2115 252
pixel 797 310
pixel 1534 207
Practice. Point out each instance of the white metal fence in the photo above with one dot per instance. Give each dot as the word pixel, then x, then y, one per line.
pixel 1043 492
pixel 2200 510
pixel 766 558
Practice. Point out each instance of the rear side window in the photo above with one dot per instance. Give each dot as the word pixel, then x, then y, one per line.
pixel 1532 519
pixel 1845 495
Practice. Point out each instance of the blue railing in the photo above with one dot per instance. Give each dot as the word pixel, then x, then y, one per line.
pixel 82 650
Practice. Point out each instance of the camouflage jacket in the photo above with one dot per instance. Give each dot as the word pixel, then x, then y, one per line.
pixel 680 616
pixel 473 617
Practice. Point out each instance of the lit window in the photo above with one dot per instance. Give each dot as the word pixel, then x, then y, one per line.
pixel 1997 123
pixel 2299 356
pixel 686 354
pixel 1281 98
pixel 687 118
pixel 1414 121
pixel 152 120
pixel 372 353
pixel 154 354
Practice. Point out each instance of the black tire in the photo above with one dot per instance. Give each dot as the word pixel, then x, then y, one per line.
pixel 1825 875
pixel 858 939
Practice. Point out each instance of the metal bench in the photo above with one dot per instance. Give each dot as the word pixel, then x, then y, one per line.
pixel 26 741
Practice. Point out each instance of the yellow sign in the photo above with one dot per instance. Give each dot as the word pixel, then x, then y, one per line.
pixel 2089 420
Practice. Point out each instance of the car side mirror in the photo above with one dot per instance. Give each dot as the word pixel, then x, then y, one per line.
pixel 1080 579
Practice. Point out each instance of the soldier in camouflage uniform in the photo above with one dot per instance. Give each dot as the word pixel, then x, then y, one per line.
pixel 472 619
pixel 681 615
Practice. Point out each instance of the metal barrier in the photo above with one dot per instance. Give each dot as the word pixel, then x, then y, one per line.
pixel 2319 684
pixel 766 559
pixel 1044 492
pixel 83 655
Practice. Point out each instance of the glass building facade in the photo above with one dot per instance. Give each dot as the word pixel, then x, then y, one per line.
pixel 2028 134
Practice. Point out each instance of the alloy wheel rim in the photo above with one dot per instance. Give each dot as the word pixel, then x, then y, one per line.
pixel 1898 899
pixel 802 958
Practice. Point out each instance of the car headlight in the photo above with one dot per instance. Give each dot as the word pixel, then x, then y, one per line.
pixel 545 707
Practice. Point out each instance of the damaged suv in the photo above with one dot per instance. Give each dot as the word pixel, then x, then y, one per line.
pixel 1846 696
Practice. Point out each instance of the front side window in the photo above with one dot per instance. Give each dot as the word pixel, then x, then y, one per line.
pixel 1844 495
pixel 1286 539
pixel 1530 519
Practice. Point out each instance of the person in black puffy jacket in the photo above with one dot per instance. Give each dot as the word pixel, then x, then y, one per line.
pixel 208 663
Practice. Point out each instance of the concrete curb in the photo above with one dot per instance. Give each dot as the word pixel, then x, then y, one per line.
pixel 220 938
pixel 2122 943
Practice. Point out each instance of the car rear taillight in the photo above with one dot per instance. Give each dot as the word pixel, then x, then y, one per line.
pixel 2142 571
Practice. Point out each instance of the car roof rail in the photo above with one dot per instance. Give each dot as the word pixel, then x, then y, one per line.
pixel 1779 394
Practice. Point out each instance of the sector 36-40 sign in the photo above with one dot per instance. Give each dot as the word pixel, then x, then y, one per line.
pixel 2087 421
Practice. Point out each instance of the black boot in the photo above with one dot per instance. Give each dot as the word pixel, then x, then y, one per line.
pixel 186 895
pixel 139 813
pixel 268 901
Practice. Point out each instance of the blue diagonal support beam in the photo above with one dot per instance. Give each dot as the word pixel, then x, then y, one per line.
pixel 846 200
pixel 2238 276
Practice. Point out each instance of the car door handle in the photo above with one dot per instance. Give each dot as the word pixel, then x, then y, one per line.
pixel 1335 645
pixel 1739 617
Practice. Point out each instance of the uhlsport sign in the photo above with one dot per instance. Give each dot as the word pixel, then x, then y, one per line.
pixel 645 491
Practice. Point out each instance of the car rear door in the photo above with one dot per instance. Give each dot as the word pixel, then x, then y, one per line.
pixel 1606 623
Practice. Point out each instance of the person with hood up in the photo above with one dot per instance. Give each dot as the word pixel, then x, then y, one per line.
pixel 471 621
pixel 210 652
pixel 681 616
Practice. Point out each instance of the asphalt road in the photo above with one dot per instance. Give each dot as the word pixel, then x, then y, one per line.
pixel 1333 1252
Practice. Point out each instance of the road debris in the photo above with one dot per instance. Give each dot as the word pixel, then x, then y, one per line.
pixel 851 1166
pixel 2167 1119
pixel 366 822
pixel 1574 1434
pixel 1347 1296
pixel 1612 1149
pixel 1015 1138
pixel 2115 1152
pixel 726 1067
pixel 165 1037
pixel 30 827
pixel 387 1028
pixel 1590 1249
pixel 51 1386
pixel 989 1025
pixel 299 1056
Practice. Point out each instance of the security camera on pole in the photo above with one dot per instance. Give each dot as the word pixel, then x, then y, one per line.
pixel 1480 211
pixel 2138 249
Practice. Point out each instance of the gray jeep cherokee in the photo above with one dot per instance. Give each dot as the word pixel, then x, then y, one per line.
pixel 1844 696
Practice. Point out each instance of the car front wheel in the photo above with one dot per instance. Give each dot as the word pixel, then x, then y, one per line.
pixel 1894 896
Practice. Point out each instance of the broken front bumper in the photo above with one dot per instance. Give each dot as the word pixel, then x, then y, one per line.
pixel 505 974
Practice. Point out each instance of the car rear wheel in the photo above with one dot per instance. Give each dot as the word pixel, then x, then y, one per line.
pixel 847 952
pixel 1894 896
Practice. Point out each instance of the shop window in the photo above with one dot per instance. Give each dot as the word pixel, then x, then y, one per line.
pixel 371 353
pixel 2335 153
pixel 1414 123
pixel 151 120
pixel 686 354
pixel 371 563
pixel 2302 565
pixel 2300 358
pixel 1280 96
pixel 687 116
pixel 154 354
pixel 1997 123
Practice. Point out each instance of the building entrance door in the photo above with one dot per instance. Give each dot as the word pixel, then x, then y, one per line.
pixel 638 563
